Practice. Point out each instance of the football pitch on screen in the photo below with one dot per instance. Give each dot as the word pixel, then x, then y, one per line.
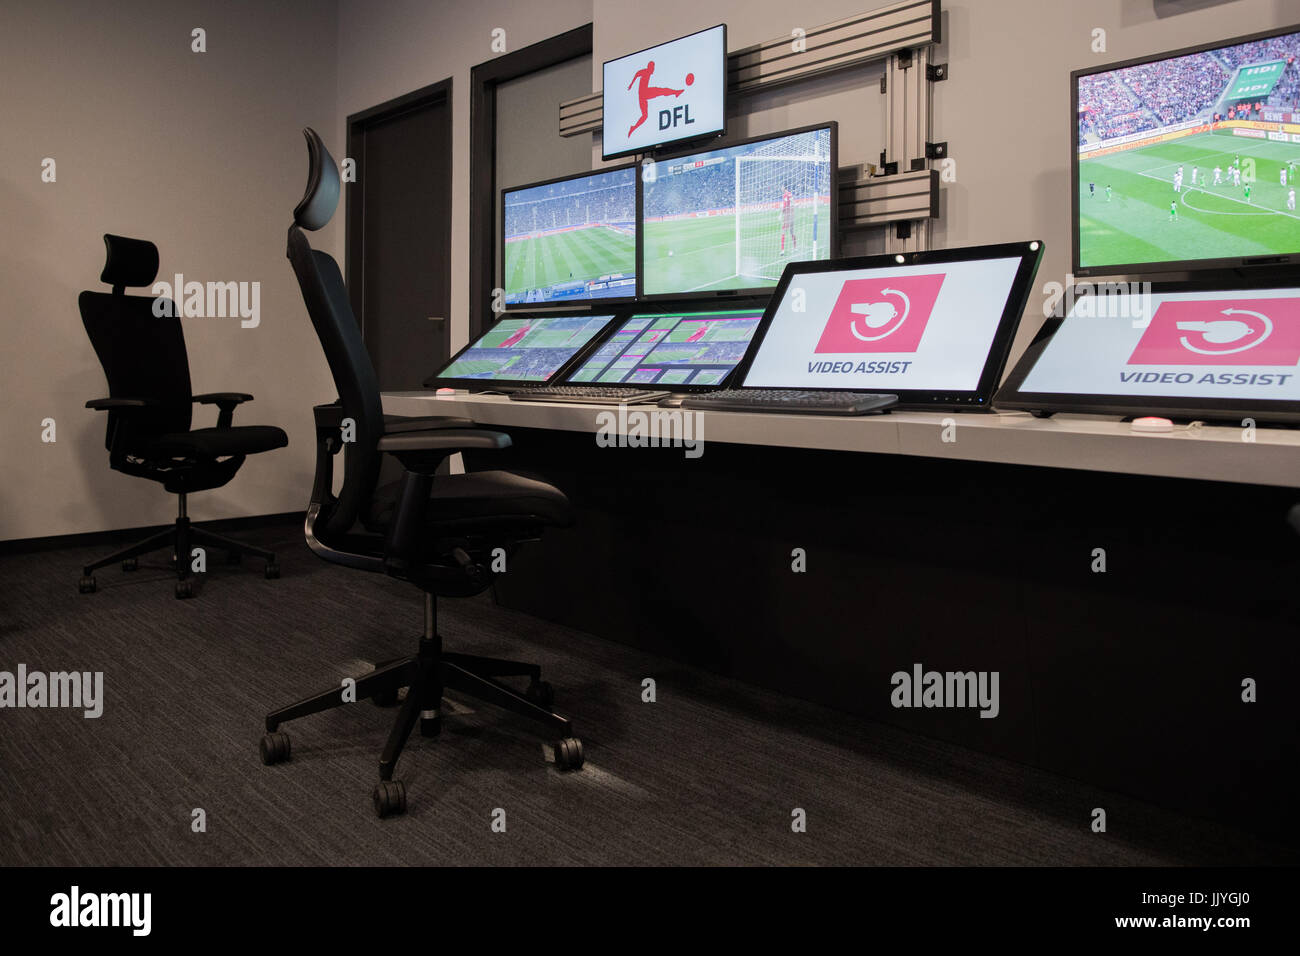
pixel 579 255
pixel 697 255
pixel 1135 225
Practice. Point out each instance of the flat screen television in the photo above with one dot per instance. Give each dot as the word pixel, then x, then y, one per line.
pixel 570 241
pixel 730 219
pixel 1188 160
pixel 670 93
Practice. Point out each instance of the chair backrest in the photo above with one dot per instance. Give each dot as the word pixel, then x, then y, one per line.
pixel 143 354
pixel 326 298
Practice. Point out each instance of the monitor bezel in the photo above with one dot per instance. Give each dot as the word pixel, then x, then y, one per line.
pixel 576 303
pixel 1262 262
pixel 722 294
pixel 439 380
pixel 1012 397
pixel 1030 254
pixel 757 304
pixel 666 144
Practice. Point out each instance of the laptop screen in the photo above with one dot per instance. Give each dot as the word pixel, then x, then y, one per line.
pixel 891 328
pixel 1242 344
pixel 524 349
pixel 671 349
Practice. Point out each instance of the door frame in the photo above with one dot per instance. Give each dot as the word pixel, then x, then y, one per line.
pixel 483 80
pixel 354 236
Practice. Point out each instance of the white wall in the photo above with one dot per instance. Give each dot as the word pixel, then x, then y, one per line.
pixel 200 153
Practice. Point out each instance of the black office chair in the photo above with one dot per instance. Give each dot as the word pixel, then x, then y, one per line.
pixel 440 533
pixel 149 412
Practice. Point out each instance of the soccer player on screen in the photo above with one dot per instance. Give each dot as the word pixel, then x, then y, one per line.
pixel 645 92
pixel 1092 190
pixel 1218 176
pixel 1290 199
pixel 1247 192
pixel 514 339
pixel 1195 171
pixel 787 219
pixel 1281 175
pixel 1173 211
pixel 1108 192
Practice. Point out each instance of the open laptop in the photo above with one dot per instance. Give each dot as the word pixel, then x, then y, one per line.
pixel 520 350
pixel 920 330
pixel 672 352
pixel 1180 350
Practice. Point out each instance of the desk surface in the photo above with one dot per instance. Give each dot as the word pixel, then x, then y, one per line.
pixel 1087 442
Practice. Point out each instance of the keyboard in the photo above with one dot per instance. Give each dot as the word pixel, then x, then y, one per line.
pixel 588 394
pixel 791 400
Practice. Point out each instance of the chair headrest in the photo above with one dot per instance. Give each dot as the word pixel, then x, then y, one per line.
pixel 322 196
pixel 130 262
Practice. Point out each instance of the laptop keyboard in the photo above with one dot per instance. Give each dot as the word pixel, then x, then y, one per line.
pixel 588 394
pixel 807 401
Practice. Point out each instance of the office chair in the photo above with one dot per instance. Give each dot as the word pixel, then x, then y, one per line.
pixel 149 412
pixel 441 533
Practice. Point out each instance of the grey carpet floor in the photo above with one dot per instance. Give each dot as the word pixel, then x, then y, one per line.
pixel 710 773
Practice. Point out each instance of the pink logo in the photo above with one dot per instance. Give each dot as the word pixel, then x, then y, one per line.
pixel 1222 332
pixel 880 315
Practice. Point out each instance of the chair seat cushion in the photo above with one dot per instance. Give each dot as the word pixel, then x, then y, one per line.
pixel 482 497
pixel 216 442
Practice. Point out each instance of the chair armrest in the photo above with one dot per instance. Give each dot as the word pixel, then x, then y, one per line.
pixel 444 440
pixel 223 398
pixel 225 402
pixel 114 404
pixel 397 424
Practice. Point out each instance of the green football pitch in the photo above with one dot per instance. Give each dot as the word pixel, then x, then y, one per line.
pixel 575 256
pixel 690 255
pixel 1134 225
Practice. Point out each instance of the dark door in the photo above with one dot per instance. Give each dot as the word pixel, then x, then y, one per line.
pixel 399 234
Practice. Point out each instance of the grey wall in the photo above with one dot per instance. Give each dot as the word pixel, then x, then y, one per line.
pixel 200 153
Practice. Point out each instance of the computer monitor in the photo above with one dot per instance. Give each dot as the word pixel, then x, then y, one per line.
pixel 1185 350
pixel 686 351
pixel 732 218
pixel 521 350
pixel 670 93
pixel 1187 160
pixel 932 327
pixel 570 240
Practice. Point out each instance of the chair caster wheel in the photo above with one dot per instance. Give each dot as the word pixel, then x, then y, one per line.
pixel 272 570
pixel 274 748
pixel 431 726
pixel 86 585
pixel 389 797
pixel 541 693
pixel 184 589
pixel 568 753
pixel 130 564
pixel 234 557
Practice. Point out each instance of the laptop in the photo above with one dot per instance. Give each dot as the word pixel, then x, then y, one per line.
pixel 521 350
pixel 926 330
pixel 1182 350
pixel 669 352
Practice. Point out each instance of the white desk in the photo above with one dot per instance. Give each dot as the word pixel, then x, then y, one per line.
pixel 1087 442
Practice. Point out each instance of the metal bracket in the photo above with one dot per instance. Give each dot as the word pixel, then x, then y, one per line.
pixel 936 150
pixel 936 72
